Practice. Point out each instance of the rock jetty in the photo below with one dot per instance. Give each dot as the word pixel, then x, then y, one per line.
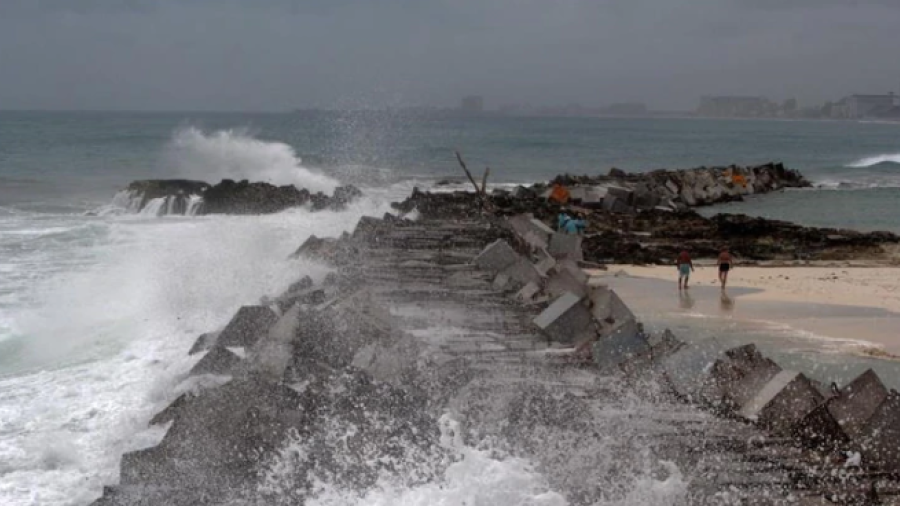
pixel 184 197
pixel 677 189
pixel 645 219
pixel 440 332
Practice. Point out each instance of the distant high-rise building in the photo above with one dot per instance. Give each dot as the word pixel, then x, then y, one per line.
pixel 473 103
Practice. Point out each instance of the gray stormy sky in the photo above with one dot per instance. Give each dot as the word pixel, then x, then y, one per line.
pixel 282 54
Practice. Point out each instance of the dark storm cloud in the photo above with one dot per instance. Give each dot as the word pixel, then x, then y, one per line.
pixel 279 54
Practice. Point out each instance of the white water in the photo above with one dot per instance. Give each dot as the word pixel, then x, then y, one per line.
pixel 233 154
pixel 102 346
pixel 97 312
pixel 875 160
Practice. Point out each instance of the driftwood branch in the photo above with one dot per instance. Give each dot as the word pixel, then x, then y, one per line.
pixel 487 171
pixel 469 174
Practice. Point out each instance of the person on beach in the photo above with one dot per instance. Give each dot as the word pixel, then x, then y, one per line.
pixel 685 267
pixel 561 221
pixel 724 263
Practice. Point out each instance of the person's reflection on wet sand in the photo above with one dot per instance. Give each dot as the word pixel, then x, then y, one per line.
pixel 726 303
pixel 685 301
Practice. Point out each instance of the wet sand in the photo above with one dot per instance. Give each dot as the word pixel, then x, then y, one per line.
pixel 838 341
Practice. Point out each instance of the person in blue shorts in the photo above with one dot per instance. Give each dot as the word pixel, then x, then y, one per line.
pixel 685 267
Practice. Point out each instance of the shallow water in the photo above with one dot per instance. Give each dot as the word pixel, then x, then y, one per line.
pixel 776 327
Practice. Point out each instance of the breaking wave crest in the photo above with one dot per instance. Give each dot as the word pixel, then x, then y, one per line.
pixel 235 154
pixel 871 161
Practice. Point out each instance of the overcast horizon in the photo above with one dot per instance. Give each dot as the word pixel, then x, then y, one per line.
pixel 280 55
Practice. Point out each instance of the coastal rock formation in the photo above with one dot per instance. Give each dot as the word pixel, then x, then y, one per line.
pixel 675 189
pixel 654 235
pixel 160 197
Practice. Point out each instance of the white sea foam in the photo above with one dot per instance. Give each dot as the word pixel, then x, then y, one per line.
pixel 234 154
pixel 875 160
pixel 96 348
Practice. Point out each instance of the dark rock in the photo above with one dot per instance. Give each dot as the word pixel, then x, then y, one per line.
pixel 247 326
pixel 241 197
pixel 218 360
pixel 204 342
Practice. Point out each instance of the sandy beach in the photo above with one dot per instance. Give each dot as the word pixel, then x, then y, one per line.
pixel 843 304
pixel 846 286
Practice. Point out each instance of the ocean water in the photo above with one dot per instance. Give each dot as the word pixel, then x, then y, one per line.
pixel 98 306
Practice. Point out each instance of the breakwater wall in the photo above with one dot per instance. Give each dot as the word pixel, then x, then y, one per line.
pixel 350 382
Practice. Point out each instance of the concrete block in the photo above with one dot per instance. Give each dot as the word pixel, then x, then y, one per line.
pixel 741 373
pixel 368 228
pixel 663 344
pixel 620 193
pixel 819 430
pixel 577 194
pixel 272 354
pixel 218 360
pixel 496 256
pixel 607 306
pixel 619 344
pixel 567 320
pixel 566 276
pixel 878 438
pixel 609 202
pixel 566 246
pixel 666 209
pixel 528 292
pixel 783 402
pixel 501 282
pixel 204 342
pixel 533 231
pixel 593 196
pixel 688 371
pixel 247 326
pixel 522 272
pixel 364 304
pixel 545 262
pixel 855 404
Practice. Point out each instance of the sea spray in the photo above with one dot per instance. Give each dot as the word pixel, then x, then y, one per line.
pixel 103 342
pixel 235 154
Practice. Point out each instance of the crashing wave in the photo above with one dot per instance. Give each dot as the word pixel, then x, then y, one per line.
pixel 177 197
pixel 871 161
pixel 135 202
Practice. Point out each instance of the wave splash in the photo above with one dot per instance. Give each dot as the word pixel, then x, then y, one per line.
pixel 235 154
pixel 876 160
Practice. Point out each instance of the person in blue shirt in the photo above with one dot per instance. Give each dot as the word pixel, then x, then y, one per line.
pixel 561 221
pixel 575 226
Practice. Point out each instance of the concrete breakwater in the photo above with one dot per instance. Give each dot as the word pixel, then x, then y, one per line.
pixel 350 382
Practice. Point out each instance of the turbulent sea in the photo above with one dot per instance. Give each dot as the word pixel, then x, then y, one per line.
pixel 98 306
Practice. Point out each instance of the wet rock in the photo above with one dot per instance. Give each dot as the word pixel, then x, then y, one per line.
pixel 247 326
pixel 204 342
pixel 783 402
pixel 218 360
pixel 236 197
pixel 566 320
